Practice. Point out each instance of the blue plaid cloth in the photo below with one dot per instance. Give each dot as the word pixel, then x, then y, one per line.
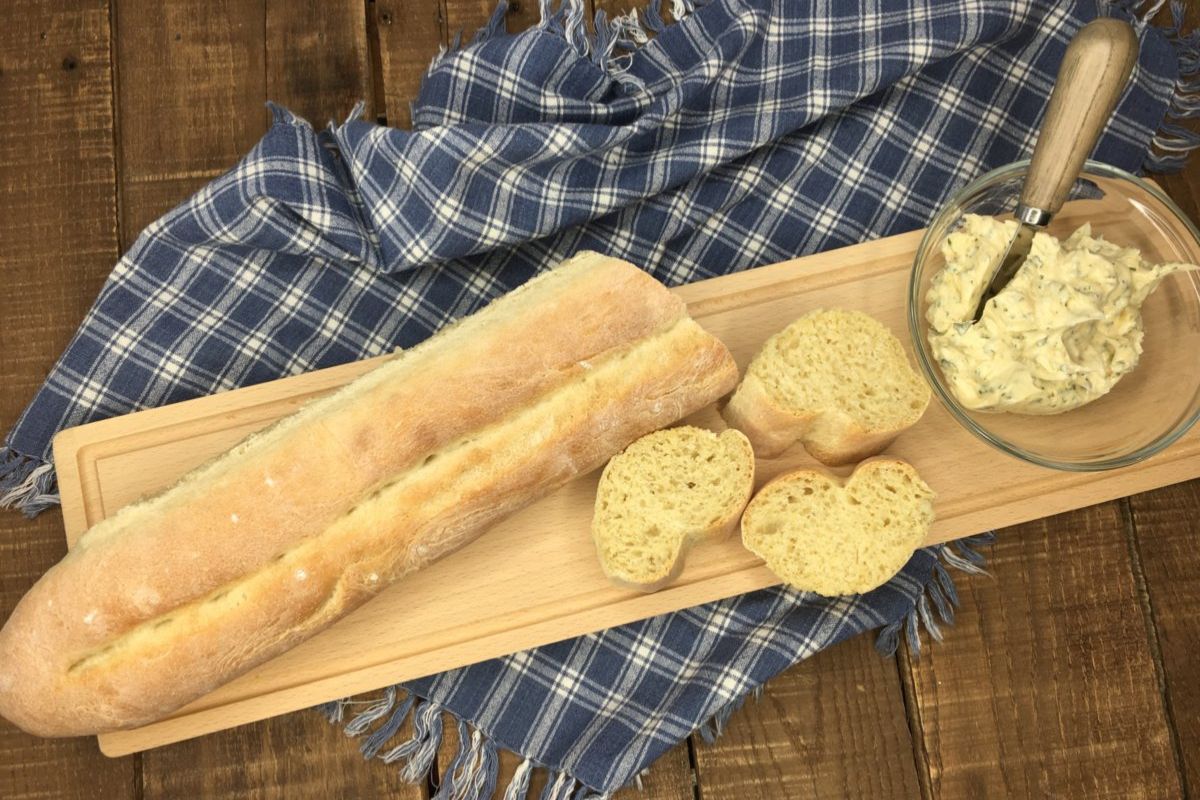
pixel 751 131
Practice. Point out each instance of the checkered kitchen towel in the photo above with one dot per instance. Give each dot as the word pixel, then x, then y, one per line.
pixel 751 131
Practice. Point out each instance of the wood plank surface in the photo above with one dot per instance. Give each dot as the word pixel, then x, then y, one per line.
pixel 832 726
pixel 522 14
pixel 670 778
pixel 1166 536
pixel 317 59
pixel 410 32
pixel 468 16
pixel 1046 687
pixel 191 88
pixel 105 465
pixel 294 756
pixel 1167 528
pixel 58 206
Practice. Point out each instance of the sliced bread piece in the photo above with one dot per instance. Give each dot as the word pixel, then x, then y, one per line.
pixel 668 490
pixel 837 381
pixel 823 536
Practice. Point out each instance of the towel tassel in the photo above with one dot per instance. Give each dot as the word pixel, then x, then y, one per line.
pixel 938 600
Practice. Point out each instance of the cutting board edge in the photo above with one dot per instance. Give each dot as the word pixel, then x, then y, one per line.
pixel 366 679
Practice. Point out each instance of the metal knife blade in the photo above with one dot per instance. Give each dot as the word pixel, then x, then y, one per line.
pixel 1010 262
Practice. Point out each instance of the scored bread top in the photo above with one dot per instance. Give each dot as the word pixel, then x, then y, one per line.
pixel 666 491
pixel 821 535
pixel 838 381
pixel 256 550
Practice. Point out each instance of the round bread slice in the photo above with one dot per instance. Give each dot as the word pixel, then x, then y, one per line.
pixel 666 491
pixel 837 381
pixel 820 535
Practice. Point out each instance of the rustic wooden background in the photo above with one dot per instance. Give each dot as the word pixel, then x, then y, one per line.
pixel 1072 670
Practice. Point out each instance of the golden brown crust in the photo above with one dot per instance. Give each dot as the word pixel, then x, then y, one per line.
pixel 251 554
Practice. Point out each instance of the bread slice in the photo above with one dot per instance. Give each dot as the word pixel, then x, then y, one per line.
pixel 668 490
pixel 823 536
pixel 838 381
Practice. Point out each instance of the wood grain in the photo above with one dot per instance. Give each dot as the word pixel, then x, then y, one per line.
pixel 296 756
pixel 1165 525
pixel 1167 533
pixel 1046 686
pixel 317 59
pixel 832 726
pixel 58 206
pixel 106 465
pixel 468 16
pixel 669 778
pixel 375 59
pixel 191 88
pixel 410 33
pixel 522 14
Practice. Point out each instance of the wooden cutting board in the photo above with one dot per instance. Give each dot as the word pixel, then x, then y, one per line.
pixel 534 578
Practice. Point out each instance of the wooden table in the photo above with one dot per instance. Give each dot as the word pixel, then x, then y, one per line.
pixel 1073 669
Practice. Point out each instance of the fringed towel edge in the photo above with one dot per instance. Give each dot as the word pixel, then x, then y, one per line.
pixel 1169 148
pixel 599 42
pixel 474 770
pixel 1172 143
pixel 27 483
pixel 940 596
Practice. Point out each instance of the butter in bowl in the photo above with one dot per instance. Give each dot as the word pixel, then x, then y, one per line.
pixel 1088 359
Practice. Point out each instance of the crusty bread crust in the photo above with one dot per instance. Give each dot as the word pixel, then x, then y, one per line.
pixel 299 525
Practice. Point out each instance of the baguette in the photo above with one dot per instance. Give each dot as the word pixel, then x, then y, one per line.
pixel 837 381
pixel 301 524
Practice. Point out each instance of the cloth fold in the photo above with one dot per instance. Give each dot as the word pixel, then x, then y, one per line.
pixel 748 132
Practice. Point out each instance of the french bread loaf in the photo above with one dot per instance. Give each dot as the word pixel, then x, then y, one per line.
pixel 302 523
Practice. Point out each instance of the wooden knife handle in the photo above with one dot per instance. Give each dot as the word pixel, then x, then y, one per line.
pixel 1092 76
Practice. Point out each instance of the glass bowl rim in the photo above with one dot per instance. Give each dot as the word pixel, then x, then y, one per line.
pixel 916 305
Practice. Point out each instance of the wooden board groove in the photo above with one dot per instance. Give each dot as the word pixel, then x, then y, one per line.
pixel 414 629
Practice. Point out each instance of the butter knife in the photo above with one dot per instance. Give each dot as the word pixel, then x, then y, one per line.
pixel 1093 73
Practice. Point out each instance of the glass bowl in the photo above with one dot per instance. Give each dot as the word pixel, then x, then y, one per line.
pixel 1150 407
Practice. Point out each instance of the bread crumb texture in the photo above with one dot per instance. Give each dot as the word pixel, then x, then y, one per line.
pixel 839 381
pixel 821 536
pixel 666 491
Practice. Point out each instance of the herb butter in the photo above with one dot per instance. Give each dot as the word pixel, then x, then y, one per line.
pixel 1061 334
